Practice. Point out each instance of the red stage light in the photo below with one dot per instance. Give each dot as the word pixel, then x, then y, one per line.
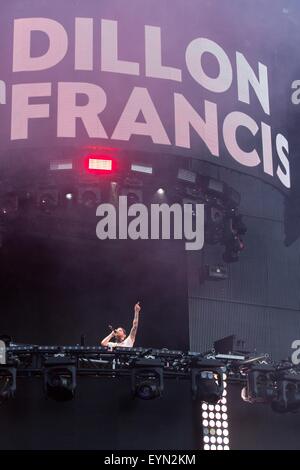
pixel 99 164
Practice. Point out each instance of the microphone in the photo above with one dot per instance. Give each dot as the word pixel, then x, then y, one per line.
pixel 111 328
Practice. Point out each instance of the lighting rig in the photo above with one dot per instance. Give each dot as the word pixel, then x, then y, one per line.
pixel 59 366
pixel 261 380
pixel 276 385
pixel 58 199
pixel 209 374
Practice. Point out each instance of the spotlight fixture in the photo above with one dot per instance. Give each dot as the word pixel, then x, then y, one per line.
pixel 142 168
pixel 132 188
pixel 194 192
pixel 60 378
pixel 233 247
pixel 26 200
pixel 161 191
pixel 233 196
pixel 8 205
pixel 216 186
pixel 58 165
pixel 186 176
pixel 233 228
pixel 68 197
pixel 260 386
pixel 214 273
pixel 288 393
pixel 214 226
pixel 238 226
pixel 89 196
pixel 147 378
pixel 8 382
pixel 47 199
pixel 207 380
pixel 134 195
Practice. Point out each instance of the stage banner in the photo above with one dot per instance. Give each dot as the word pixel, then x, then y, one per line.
pixel 199 78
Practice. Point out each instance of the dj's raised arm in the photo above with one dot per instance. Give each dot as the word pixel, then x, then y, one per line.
pixel 135 323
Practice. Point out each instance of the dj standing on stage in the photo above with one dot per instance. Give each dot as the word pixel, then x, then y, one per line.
pixel 122 341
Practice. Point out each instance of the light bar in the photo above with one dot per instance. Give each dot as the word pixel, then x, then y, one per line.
pixel 100 164
pixel 186 175
pixel 216 186
pixel 142 168
pixel 215 423
pixel 61 165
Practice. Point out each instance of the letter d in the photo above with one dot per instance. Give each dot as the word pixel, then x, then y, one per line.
pixel 58 44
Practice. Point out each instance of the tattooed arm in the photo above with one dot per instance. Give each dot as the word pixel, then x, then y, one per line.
pixel 137 309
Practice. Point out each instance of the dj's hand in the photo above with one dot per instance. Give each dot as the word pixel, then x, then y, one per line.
pixel 137 307
pixel 113 332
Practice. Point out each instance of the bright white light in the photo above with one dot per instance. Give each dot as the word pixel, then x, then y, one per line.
pixel 207 447
pixel 61 165
pixel 142 168
pixel 69 196
pixel 216 423
pixel 160 191
pixel 206 439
